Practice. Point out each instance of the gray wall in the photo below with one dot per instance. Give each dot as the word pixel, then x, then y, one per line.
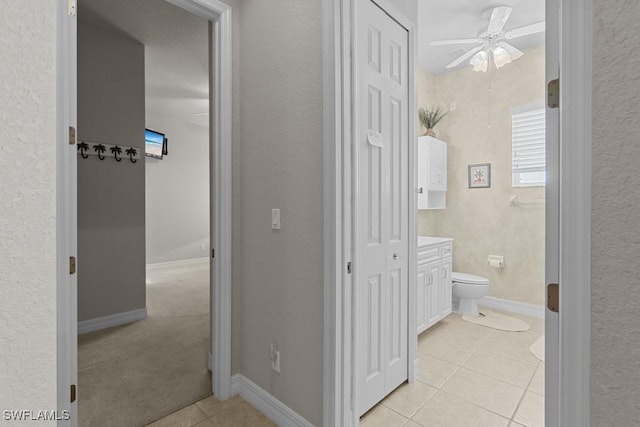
pixel 28 205
pixel 615 238
pixel 177 191
pixel 111 229
pixel 278 275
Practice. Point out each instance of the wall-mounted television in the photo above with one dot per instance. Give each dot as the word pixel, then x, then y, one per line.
pixel 154 144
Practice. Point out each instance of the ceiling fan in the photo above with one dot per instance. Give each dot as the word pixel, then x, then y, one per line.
pixel 493 45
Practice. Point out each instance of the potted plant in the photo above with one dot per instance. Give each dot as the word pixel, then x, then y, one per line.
pixel 430 117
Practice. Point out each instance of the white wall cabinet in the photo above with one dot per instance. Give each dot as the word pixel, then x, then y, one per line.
pixel 435 256
pixel 432 173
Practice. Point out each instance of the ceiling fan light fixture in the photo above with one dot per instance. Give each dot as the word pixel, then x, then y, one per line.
pixel 501 57
pixel 480 61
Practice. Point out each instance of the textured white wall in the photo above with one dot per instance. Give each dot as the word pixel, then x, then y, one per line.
pixel 481 220
pixel 615 227
pixel 28 206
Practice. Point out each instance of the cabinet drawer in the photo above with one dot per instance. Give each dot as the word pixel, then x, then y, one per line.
pixel 429 253
pixel 447 248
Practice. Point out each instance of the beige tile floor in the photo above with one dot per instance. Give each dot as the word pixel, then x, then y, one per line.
pixel 210 412
pixel 470 375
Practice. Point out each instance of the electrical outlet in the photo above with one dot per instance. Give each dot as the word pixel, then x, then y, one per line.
pixel 275 357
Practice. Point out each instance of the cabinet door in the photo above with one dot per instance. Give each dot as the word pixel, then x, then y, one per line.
pixel 445 285
pixel 437 155
pixel 433 301
pixel 420 298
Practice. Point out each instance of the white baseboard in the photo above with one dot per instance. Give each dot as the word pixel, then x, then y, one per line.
pixel 179 263
pixel 513 306
pixel 271 407
pixel 99 323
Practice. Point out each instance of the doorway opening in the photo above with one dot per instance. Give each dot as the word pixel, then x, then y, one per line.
pixel 143 218
pixel 343 295
pixel 480 181
pixel 218 100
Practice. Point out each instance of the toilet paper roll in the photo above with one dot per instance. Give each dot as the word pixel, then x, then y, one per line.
pixel 496 261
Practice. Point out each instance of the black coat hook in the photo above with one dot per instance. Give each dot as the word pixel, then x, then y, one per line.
pixel 99 148
pixel 82 148
pixel 115 150
pixel 132 152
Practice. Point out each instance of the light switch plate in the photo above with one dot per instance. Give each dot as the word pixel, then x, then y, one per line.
pixel 275 219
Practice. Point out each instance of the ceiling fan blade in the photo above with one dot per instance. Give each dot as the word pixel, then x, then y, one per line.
pixel 456 41
pixel 538 27
pixel 514 52
pixel 499 17
pixel 464 57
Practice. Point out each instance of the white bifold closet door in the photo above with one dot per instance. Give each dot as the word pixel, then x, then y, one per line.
pixel 381 203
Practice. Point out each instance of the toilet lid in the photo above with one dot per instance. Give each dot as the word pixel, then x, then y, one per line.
pixel 471 279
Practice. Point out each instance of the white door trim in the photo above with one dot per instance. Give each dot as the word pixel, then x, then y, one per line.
pixel 575 211
pixel 575 193
pixel 339 392
pixel 219 14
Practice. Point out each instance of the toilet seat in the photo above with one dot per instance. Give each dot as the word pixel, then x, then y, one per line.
pixel 469 279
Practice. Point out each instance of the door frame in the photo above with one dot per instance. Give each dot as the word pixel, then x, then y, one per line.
pixel 219 14
pixel 572 186
pixel 340 82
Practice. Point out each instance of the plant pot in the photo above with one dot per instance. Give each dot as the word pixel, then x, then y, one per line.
pixel 430 132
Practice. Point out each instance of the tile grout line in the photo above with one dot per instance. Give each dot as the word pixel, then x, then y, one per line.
pixel 484 375
pixel 523 394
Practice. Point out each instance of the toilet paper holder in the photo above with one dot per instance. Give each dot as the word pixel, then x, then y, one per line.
pixel 495 261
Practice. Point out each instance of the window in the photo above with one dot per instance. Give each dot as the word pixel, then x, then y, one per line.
pixel 528 146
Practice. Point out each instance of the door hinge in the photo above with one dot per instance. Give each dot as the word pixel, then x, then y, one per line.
pixel 72 265
pixel 553 297
pixel 73 393
pixel 553 93
pixel 213 253
pixel 72 135
pixel 71 7
pixel 349 267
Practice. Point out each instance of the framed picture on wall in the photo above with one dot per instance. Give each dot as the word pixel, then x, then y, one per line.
pixel 480 175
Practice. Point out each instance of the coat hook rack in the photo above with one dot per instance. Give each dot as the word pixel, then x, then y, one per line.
pixel 88 148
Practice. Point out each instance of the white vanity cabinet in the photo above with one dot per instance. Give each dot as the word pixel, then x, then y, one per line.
pixel 434 280
pixel 432 173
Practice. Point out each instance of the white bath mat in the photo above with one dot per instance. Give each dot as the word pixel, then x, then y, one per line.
pixel 494 320
pixel 537 348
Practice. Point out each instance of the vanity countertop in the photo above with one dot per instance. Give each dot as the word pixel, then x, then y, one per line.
pixel 430 240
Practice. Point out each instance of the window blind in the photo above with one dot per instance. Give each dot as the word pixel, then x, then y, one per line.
pixel 529 147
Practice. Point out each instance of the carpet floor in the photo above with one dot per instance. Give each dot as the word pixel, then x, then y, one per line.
pixel 133 374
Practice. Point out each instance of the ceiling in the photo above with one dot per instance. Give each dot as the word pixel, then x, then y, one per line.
pixel 456 19
pixel 176 52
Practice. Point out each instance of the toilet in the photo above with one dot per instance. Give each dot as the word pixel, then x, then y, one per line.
pixel 467 290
